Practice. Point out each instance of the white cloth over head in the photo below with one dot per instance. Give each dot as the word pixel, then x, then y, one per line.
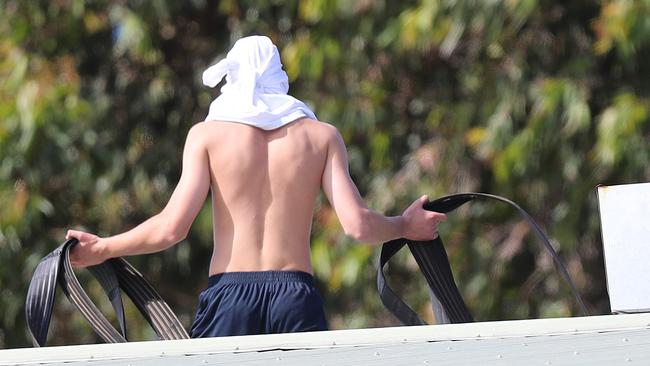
pixel 256 87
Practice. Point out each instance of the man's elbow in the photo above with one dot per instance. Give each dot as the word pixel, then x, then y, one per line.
pixel 361 236
pixel 171 232
pixel 359 228
pixel 174 236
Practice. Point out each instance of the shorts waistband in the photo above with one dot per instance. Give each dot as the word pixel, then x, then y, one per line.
pixel 260 277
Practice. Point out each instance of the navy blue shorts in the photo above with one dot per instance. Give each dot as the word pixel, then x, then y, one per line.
pixel 243 303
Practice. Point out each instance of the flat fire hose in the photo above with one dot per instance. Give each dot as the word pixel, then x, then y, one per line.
pixel 432 260
pixel 114 275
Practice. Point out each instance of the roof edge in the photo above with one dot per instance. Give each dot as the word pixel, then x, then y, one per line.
pixel 327 339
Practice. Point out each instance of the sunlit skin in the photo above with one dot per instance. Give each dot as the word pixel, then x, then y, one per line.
pixel 264 187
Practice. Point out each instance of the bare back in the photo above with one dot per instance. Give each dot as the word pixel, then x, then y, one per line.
pixel 264 186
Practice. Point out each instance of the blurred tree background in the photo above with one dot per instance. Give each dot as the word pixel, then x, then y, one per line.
pixel 535 100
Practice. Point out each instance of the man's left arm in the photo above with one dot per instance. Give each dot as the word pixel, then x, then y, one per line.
pixel 163 230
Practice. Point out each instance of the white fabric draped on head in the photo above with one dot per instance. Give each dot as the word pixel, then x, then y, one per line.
pixel 256 87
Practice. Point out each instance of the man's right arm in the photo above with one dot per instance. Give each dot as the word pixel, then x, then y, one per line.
pixel 362 223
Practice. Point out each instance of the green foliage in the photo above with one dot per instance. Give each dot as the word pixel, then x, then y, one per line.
pixel 535 100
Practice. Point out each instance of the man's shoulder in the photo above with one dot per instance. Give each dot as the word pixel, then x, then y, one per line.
pixel 198 126
pixel 198 131
pixel 207 128
pixel 326 129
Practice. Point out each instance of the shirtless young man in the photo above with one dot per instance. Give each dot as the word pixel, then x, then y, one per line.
pixel 264 185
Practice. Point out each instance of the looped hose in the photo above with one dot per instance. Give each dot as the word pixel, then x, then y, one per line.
pixel 114 275
pixel 432 259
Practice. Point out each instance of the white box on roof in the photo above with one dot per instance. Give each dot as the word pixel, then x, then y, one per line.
pixel 625 221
